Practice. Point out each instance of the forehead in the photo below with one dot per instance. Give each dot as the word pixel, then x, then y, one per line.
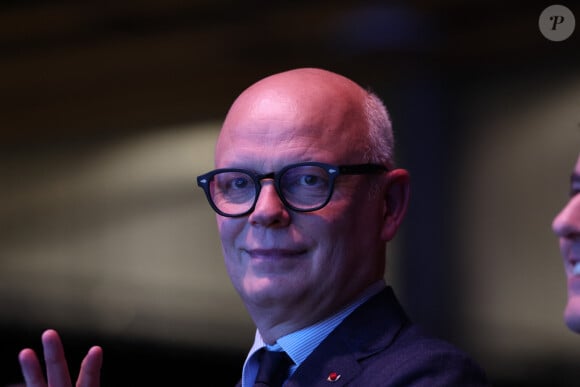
pixel 274 147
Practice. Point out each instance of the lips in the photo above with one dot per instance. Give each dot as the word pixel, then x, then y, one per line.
pixel 274 253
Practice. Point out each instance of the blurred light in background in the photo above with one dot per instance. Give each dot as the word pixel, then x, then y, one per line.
pixel 109 111
pixel 117 238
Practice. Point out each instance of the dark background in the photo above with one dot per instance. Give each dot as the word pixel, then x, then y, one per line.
pixel 73 74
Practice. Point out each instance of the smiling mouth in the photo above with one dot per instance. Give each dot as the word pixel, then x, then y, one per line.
pixel 274 253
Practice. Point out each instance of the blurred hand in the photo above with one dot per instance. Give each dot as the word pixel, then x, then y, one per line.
pixel 56 366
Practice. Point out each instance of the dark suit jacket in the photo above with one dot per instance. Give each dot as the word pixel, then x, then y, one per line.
pixel 377 345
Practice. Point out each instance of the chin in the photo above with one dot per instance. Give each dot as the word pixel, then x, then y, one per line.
pixel 572 314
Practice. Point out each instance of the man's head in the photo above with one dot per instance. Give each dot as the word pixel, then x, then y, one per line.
pixel 293 268
pixel 566 225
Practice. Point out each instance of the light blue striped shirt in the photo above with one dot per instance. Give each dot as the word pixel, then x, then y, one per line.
pixel 298 345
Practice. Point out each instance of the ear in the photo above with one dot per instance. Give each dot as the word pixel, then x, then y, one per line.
pixel 396 200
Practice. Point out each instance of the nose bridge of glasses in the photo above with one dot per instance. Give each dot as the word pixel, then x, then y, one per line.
pixel 270 175
pixel 260 183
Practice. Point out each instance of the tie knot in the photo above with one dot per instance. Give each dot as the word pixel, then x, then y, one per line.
pixel 273 369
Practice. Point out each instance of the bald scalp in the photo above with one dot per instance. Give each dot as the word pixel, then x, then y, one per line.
pixel 305 82
pixel 308 97
pixel 310 76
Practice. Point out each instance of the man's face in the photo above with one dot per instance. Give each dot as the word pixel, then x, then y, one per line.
pixel 567 226
pixel 303 265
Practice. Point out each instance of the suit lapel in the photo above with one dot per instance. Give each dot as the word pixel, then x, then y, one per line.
pixel 369 329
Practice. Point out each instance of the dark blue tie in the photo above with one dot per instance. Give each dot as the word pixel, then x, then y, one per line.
pixel 273 369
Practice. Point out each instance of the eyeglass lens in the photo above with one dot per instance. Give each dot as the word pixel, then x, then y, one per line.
pixel 302 187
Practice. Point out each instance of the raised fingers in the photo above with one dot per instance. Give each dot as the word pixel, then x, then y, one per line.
pixel 57 374
pixel 90 374
pixel 31 369
pixel 56 365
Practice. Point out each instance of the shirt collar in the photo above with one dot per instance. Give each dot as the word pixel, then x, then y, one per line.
pixel 300 344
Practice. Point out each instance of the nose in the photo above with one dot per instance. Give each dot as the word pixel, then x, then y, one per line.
pixel 269 210
pixel 567 223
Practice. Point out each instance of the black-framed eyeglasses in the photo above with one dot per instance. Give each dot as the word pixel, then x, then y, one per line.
pixel 302 187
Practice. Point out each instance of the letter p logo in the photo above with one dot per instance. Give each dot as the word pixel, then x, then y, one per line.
pixel 556 20
pixel 556 23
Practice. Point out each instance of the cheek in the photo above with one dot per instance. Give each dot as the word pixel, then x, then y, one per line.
pixel 364 219
pixel 228 230
pixel 346 232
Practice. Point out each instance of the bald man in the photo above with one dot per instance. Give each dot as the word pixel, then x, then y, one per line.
pixel 307 195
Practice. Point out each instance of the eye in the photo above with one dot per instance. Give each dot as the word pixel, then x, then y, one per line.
pixel 239 183
pixel 309 180
pixel 233 181
pixel 305 177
